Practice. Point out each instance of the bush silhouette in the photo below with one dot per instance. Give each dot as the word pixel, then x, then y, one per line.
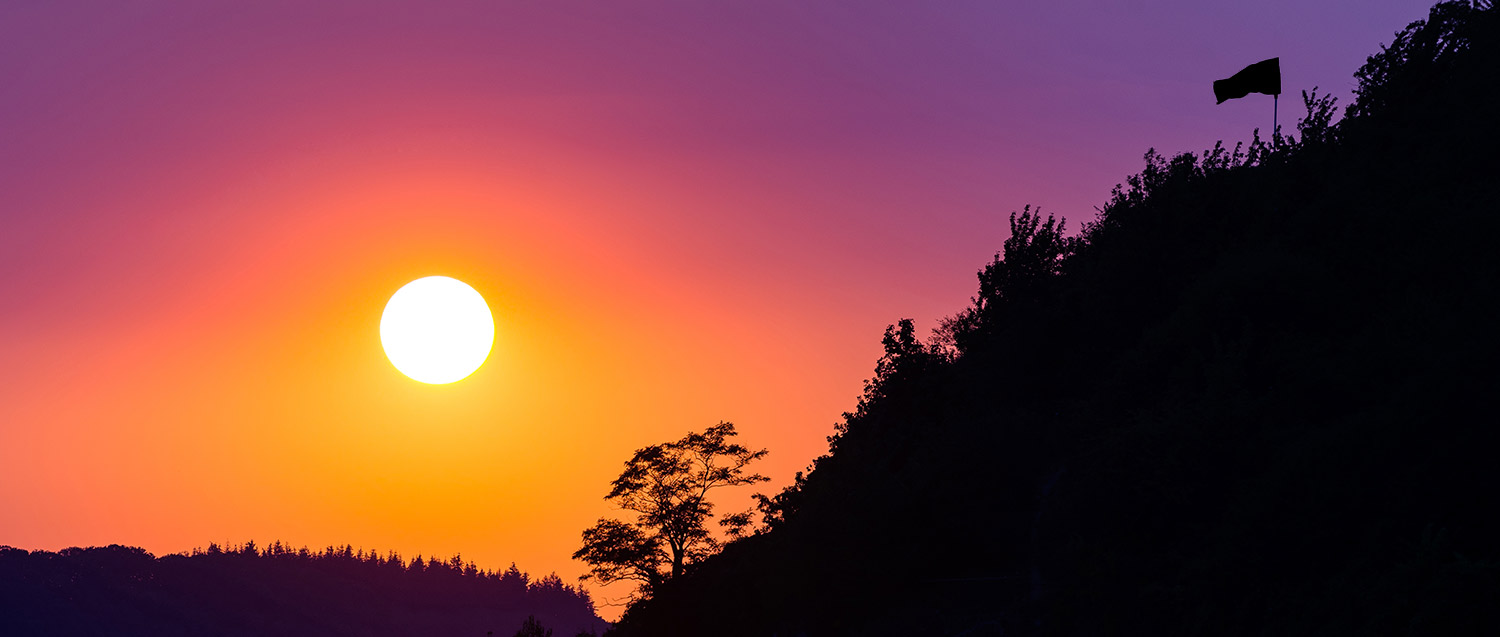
pixel 533 628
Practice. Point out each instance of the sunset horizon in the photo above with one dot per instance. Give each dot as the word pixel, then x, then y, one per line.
pixel 674 215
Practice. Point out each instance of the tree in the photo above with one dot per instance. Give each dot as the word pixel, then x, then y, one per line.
pixel 666 486
pixel 1034 252
pixel 1032 255
pixel 533 628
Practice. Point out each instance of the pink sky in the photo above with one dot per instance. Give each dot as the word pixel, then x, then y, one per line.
pixel 681 212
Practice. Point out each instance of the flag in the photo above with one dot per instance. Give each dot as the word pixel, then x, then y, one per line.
pixel 1261 77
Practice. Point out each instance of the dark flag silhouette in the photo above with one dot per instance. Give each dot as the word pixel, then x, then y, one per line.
pixel 1261 77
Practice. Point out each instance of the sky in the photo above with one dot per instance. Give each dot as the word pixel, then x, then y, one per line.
pixel 680 213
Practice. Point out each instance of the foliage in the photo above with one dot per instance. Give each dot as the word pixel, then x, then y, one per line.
pixel 1419 59
pixel 533 628
pixel 250 589
pixel 666 486
pixel 1033 254
pixel 1240 401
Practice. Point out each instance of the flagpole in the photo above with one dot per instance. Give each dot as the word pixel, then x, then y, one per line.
pixel 1275 133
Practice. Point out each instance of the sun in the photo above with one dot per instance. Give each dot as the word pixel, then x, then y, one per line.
pixel 437 330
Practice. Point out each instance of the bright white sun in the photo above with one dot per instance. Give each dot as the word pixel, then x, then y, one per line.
pixel 437 330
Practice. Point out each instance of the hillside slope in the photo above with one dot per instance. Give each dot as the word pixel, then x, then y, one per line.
pixel 1254 396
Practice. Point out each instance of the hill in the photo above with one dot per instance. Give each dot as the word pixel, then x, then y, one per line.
pixel 1255 395
pixel 120 590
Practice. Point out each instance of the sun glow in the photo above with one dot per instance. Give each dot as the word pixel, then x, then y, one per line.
pixel 437 330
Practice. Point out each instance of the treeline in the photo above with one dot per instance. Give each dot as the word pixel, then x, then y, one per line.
pixel 276 590
pixel 1254 395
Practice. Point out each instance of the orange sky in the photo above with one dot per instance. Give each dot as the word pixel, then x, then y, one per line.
pixel 680 213
pixel 253 401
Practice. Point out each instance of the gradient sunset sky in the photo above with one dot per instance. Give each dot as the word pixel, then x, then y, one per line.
pixel 679 212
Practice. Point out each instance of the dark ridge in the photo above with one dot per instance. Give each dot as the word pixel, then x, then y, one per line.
pixel 246 590
pixel 1254 396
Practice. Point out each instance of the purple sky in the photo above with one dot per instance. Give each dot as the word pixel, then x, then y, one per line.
pixel 693 210
pixel 894 133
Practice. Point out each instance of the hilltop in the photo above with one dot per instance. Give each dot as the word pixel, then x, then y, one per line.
pixel 1255 395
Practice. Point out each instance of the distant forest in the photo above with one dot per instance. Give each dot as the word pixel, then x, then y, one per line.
pixel 1256 395
pixel 277 590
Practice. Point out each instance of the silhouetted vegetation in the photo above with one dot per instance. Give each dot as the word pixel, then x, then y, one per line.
pixel 666 486
pixel 533 628
pixel 275 590
pixel 1255 395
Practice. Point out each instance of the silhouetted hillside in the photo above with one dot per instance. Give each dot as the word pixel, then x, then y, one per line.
pixel 1256 395
pixel 119 590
